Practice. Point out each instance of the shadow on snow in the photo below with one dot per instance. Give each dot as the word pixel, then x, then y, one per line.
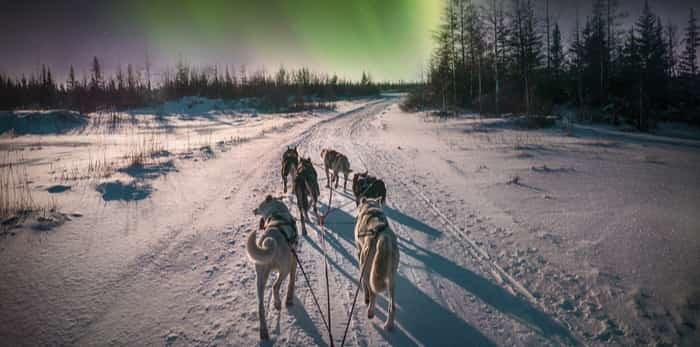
pixel 418 315
pixel 118 191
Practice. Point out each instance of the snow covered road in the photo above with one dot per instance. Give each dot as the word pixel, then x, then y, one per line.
pixel 171 269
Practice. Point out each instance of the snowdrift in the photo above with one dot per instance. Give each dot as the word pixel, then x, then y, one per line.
pixel 41 122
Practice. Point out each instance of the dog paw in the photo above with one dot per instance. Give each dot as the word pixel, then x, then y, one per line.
pixel 264 335
pixel 388 326
pixel 370 314
pixel 289 302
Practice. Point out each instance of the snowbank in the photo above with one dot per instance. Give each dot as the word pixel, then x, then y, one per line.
pixel 199 106
pixel 41 122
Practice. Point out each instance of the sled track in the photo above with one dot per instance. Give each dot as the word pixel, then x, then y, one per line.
pixel 345 138
pixel 309 140
pixel 477 253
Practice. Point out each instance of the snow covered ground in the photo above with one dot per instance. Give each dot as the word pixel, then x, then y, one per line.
pixel 507 237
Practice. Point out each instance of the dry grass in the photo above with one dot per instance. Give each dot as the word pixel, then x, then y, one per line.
pixel 99 168
pixel 110 120
pixel 514 180
pixel 145 148
pixel 15 193
pixel 518 140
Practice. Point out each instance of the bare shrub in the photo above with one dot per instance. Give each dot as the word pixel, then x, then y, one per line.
pixel 514 180
pixel 145 148
pixel 99 167
pixel 15 193
pixel 537 122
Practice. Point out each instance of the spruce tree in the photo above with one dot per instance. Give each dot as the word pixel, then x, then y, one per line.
pixel 556 52
pixel 651 52
pixel 96 78
pixel 688 64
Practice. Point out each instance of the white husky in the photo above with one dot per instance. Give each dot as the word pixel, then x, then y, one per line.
pixel 273 252
pixel 379 252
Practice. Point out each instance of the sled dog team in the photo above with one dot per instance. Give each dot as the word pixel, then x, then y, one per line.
pixel 377 249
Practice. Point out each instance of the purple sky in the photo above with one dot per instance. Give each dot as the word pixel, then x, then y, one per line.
pixel 59 33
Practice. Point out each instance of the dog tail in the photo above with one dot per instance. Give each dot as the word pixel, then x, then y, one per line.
pixel 260 255
pixel 380 265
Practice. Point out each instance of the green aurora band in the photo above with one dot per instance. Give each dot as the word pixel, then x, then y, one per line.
pixel 391 39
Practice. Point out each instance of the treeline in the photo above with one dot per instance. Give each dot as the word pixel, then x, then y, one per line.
pixel 508 57
pixel 282 90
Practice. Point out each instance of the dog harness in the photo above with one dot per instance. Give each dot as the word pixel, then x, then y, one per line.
pixel 373 213
pixel 278 221
pixel 365 185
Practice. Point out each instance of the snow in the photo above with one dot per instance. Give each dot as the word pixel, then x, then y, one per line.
pixel 595 244
pixel 41 122
pixel 200 106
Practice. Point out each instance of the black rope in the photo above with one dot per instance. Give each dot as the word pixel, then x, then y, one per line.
pixel 354 301
pixel 325 261
pixel 308 283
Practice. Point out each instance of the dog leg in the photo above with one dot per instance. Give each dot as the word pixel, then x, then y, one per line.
pixel 276 290
pixel 363 280
pixel 345 184
pixel 335 178
pixel 284 178
pixel 262 278
pixel 372 302
pixel 302 221
pixel 292 277
pixel 389 324
pixel 328 179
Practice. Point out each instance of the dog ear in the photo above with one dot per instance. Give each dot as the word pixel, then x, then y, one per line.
pixel 268 197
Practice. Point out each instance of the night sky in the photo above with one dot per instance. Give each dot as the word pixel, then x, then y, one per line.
pixel 389 38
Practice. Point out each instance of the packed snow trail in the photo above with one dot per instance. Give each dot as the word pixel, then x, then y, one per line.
pixel 432 290
pixel 172 269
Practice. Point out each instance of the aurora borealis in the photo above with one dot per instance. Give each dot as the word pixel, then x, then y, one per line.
pixel 391 39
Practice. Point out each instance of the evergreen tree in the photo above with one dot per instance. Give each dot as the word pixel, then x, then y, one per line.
pixel 688 63
pixel 651 53
pixel 671 58
pixel 525 46
pixel 120 79
pixel 499 32
pixel 71 83
pixel 556 52
pixel 96 78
